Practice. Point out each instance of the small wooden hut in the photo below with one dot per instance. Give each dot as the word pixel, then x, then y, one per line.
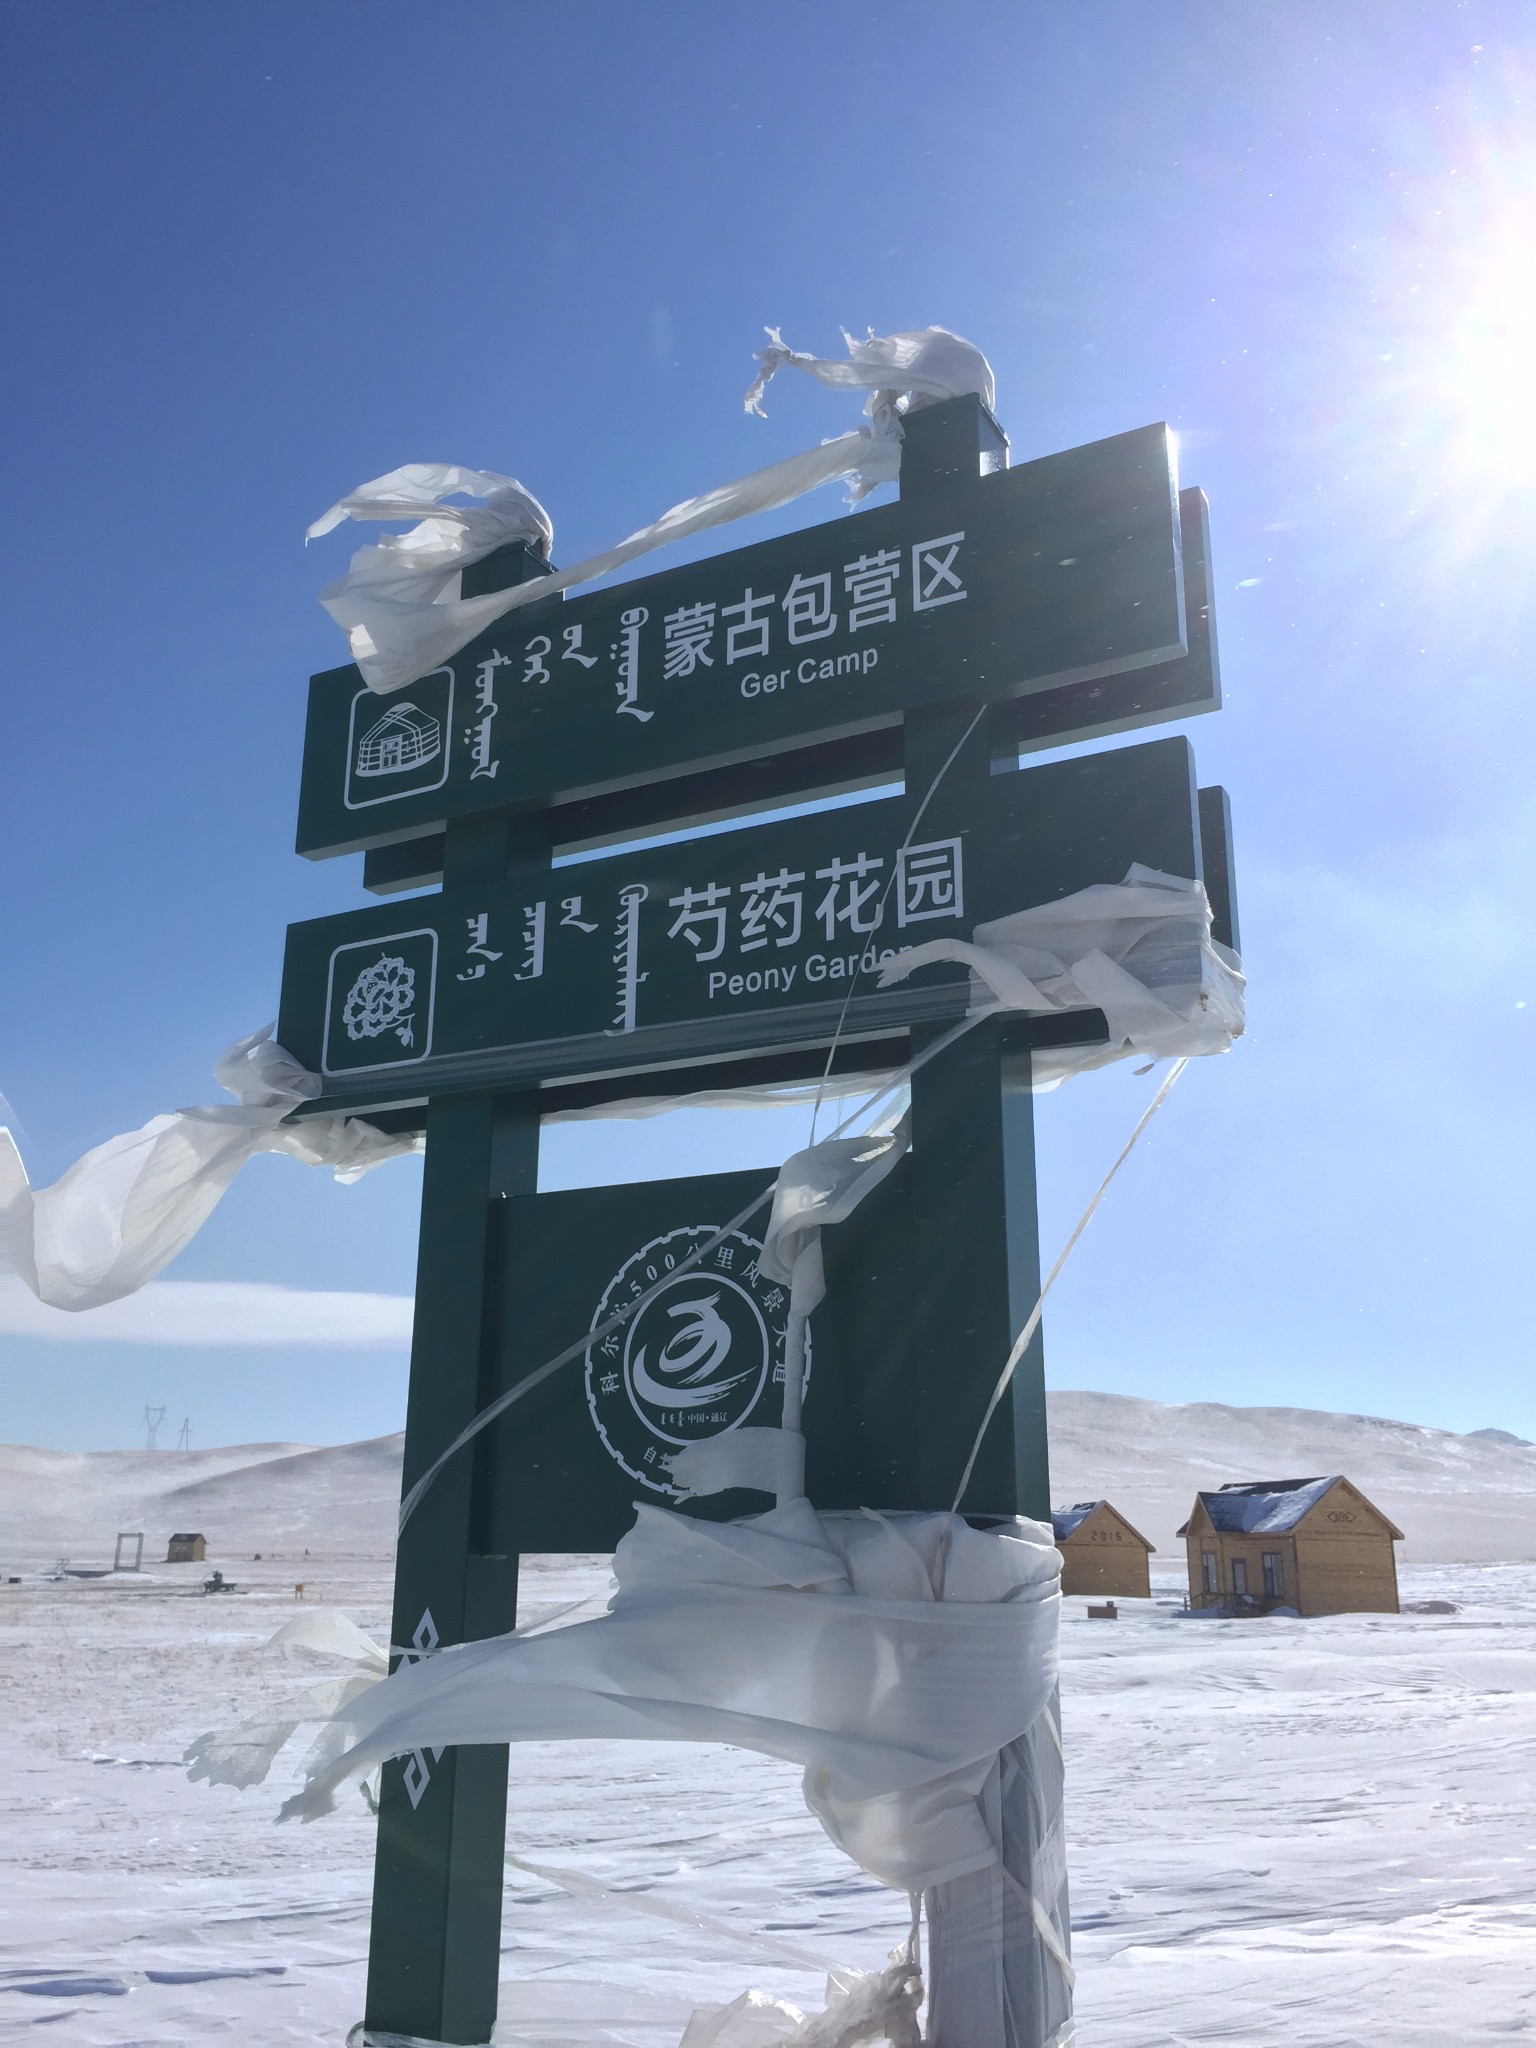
pixel 1315 1545
pixel 1101 1553
pixel 186 1549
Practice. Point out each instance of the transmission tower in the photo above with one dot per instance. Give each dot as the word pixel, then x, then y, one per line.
pixel 153 1417
pixel 184 1440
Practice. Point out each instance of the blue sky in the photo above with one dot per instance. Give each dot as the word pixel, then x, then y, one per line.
pixel 254 255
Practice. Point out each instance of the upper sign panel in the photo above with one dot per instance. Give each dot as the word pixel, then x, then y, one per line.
pixel 1027 580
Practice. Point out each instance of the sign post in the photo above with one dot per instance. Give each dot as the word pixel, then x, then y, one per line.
pixel 435 1941
pixel 435 1938
pixel 990 612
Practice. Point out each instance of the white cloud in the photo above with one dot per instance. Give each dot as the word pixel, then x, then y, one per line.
pixel 217 1312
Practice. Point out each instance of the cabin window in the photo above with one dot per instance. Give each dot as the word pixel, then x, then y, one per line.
pixel 1240 1578
pixel 1208 1571
pixel 1274 1576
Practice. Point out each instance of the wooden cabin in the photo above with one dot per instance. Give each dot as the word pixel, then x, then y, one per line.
pixel 1315 1545
pixel 1101 1554
pixel 186 1549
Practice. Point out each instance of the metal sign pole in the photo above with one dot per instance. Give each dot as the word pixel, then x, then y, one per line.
pixel 436 1932
pixel 990 1981
pixel 435 1942
pixel 975 1233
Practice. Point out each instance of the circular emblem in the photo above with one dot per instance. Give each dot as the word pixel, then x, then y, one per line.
pixel 703 1355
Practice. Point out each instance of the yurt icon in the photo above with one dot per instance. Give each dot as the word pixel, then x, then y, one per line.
pixel 405 737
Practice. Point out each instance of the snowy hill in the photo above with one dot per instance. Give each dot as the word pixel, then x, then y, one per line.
pixel 338 1501
pixel 1459 1498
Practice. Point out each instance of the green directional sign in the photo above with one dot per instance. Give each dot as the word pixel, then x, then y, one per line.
pixel 704 1357
pixel 1067 597
pixel 1028 580
pixel 745 940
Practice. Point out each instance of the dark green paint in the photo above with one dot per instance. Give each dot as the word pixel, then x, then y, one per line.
pixel 436 1934
pixel 903 1355
pixel 1181 688
pixel 1070 568
pixel 622 985
pixel 1216 851
pixel 976 1262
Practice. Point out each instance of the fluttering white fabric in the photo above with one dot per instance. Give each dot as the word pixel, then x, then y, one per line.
pixel 243 1755
pixel 399 603
pixel 1175 985
pixel 822 1184
pixel 892 1656
pixel 1140 950
pixel 510 511
pixel 123 1211
pixel 860 2008
pixel 999 1940
pixel 766 1459
pixel 904 372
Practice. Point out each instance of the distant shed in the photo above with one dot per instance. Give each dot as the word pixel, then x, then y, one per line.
pixel 186 1549
pixel 1316 1545
pixel 1101 1553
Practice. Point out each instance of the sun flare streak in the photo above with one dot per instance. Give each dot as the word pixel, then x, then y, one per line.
pixel 1438 429
pixel 1489 378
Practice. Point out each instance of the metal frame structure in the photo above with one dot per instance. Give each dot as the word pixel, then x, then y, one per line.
pixel 966 1197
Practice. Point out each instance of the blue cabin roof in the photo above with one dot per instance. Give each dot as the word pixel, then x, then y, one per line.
pixel 1273 1507
pixel 1264 1507
pixel 1065 1520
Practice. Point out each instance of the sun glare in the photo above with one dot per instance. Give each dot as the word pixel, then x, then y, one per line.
pixel 1440 423
pixel 1490 357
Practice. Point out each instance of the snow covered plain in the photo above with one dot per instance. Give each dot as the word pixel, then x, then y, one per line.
pixel 1318 1833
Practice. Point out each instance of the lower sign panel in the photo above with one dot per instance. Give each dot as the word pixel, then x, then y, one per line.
pixel 566 1466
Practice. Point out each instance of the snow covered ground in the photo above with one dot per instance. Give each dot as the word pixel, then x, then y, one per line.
pixel 1318 1833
